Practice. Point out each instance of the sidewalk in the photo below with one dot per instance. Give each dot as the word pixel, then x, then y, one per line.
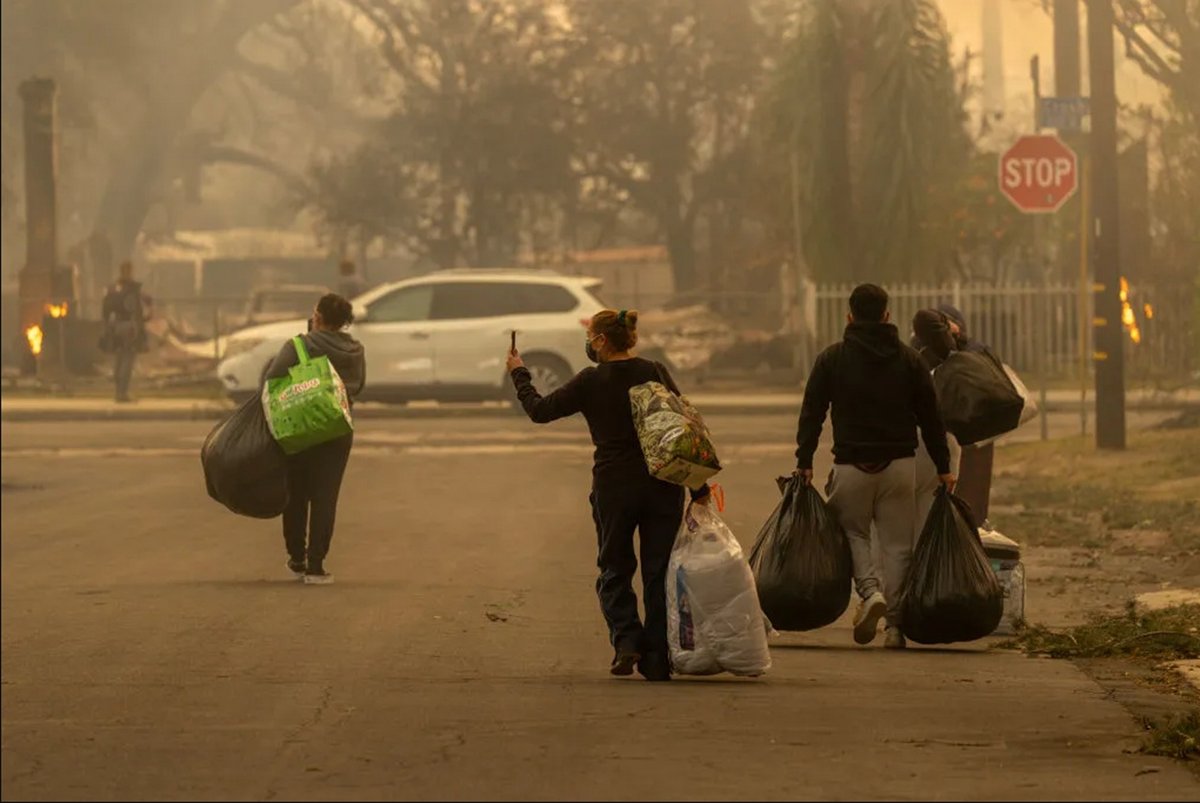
pixel 56 408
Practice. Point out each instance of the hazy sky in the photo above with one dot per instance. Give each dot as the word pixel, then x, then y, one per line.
pixel 1026 31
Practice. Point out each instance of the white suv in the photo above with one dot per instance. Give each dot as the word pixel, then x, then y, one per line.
pixel 444 336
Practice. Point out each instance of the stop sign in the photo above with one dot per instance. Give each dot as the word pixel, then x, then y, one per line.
pixel 1039 173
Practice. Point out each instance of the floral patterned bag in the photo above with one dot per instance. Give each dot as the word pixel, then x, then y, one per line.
pixel 674 438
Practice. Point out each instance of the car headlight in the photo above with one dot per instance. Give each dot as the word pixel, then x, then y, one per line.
pixel 241 345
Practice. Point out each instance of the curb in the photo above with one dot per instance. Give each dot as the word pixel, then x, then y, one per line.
pixel 398 412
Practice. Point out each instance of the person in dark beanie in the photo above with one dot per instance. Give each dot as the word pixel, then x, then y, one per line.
pixel 978 462
pixel 881 393
pixel 934 341
pixel 625 497
pixel 315 475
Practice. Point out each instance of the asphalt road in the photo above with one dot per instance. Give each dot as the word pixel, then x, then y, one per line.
pixel 155 647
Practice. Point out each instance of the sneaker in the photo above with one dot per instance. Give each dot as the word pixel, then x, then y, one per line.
pixel 318 578
pixel 296 567
pixel 866 618
pixel 623 662
pixel 893 639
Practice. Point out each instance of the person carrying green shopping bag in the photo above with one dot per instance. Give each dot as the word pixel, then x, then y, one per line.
pixel 315 429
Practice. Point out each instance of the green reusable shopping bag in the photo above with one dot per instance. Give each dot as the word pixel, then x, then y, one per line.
pixel 309 406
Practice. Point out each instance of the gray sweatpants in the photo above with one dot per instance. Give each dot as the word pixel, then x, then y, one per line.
pixel 886 499
pixel 927 479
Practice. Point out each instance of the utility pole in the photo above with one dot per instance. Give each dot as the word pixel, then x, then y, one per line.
pixel 1067 64
pixel 1109 332
pixel 1068 83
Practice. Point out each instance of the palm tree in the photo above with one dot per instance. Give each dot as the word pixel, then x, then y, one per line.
pixel 869 101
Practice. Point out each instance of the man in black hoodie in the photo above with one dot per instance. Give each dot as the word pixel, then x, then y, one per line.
pixel 881 392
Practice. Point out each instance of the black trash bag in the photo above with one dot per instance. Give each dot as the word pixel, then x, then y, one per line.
pixel 951 592
pixel 244 467
pixel 976 398
pixel 801 561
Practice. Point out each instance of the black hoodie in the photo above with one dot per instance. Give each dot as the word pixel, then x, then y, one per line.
pixel 343 351
pixel 880 391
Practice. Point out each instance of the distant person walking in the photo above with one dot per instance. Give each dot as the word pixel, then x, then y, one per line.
pixel 350 283
pixel 315 475
pixel 125 312
pixel 881 393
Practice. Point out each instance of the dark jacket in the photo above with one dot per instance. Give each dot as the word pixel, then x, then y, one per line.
pixel 601 393
pixel 125 302
pixel 880 391
pixel 124 311
pixel 343 351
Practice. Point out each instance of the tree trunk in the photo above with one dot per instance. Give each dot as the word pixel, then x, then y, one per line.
pixel 681 250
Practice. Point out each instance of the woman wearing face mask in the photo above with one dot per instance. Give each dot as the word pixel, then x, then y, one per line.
pixel 624 496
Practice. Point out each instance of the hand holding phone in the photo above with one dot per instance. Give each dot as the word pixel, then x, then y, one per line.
pixel 514 358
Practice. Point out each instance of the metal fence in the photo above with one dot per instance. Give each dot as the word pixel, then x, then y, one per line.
pixel 1039 327
pixel 1023 322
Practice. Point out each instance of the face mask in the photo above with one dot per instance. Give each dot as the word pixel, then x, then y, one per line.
pixel 591 352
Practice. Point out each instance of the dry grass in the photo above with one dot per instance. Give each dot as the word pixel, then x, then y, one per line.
pixel 1067 492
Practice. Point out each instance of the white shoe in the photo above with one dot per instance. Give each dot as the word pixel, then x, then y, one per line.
pixel 322 579
pixel 893 639
pixel 866 618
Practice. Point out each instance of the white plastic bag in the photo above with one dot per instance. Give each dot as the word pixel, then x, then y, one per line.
pixel 714 622
pixel 1030 410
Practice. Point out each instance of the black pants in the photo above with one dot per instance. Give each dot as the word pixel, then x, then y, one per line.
pixel 314 481
pixel 123 361
pixel 655 510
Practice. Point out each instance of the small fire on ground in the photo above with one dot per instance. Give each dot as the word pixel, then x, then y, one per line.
pixel 34 334
pixel 35 337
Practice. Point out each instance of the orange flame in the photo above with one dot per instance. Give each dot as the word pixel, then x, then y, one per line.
pixel 1128 318
pixel 1149 311
pixel 34 335
pixel 57 310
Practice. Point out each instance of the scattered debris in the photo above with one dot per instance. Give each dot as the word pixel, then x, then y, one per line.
pixel 1165 634
pixel 1176 737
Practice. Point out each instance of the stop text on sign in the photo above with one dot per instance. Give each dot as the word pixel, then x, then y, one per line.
pixel 1039 173
pixel 1045 173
